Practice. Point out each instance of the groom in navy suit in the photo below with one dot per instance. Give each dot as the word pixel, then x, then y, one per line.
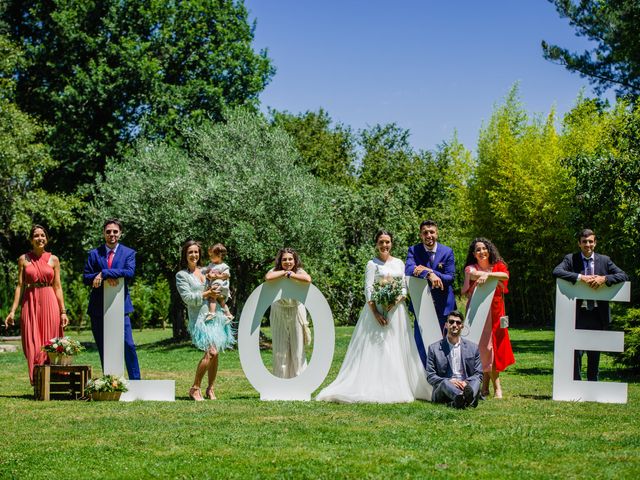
pixel 107 263
pixel 435 263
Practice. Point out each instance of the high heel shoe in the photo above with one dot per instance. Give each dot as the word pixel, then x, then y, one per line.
pixel 209 393
pixel 194 394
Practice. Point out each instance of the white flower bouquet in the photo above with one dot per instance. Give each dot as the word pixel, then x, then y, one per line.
pixel 62 346
pixel 107 383
pixel 386 291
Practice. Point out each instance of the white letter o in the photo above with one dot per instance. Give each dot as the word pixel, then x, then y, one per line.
pixel 268 385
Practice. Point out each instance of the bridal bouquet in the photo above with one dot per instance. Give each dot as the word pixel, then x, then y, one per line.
pixel 386 290
pixel 62 346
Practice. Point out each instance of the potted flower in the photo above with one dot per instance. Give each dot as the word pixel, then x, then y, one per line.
pixel 107 387
pixel 61 350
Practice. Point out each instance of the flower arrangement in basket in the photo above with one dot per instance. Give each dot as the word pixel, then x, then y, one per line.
pixel 61 350
pixel 107 387
pixel 386 292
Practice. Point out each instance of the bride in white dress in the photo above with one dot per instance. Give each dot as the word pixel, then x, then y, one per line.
pixel 382 363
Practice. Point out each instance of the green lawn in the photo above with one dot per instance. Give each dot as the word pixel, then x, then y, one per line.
pixel 524 435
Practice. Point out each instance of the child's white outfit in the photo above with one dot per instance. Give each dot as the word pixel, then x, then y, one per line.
pixel 219 268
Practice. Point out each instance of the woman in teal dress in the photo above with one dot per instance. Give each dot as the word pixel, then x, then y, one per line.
pixel 210 336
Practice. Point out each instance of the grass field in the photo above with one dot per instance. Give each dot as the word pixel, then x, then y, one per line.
pixel 525 435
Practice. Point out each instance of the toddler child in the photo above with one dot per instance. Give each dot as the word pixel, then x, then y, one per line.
pixel 217 273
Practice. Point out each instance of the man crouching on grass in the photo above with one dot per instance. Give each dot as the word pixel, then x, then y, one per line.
pixel 454 368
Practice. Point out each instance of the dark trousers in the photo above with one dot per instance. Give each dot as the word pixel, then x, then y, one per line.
pixel 130 355
pixel 587 320
pixel 446 391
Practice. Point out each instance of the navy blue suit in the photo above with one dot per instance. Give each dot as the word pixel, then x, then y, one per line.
pixel 122 266
pixel 597 318
pixel 444 266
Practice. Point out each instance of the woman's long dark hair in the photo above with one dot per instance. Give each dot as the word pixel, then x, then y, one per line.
pixel 297 263
pixel 494 254
pixel 35 227
pixel 183 253
pixel 381 232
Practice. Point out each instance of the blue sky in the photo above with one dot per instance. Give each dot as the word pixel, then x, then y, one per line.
pixel 432 67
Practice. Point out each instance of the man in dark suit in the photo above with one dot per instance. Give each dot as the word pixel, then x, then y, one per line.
pixel 454 368
pixel 107 263
pixel 594 270
pixel 434 262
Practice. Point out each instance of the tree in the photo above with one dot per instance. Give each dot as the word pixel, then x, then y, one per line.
pixel 25 163
pixel 327 151
pixel 102 74
pixel 389 160
pixel 237 182
pixel 614 26
pixel 452 209
pixel 521 198
pixel 605 162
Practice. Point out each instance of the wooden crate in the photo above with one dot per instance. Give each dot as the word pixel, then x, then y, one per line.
pixel 60 382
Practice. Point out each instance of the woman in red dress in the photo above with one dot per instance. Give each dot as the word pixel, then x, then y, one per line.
pixel 484 261
pixel 43 315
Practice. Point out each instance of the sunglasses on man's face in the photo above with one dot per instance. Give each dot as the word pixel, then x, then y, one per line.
pixel 456 322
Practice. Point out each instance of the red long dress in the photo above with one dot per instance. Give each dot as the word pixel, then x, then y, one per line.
pixel 40 317
pixel 495 346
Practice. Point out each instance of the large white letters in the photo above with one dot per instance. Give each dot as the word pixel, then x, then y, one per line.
pixel 269 386
pixel 428 319
pixel 114 350
pixel 568 339
pixel 480 308
pixel 424 310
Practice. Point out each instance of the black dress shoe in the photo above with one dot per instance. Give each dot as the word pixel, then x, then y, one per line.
pixel 469 398
pixel 458 401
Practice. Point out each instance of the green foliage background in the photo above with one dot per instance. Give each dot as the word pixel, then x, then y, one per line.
pixel 147 111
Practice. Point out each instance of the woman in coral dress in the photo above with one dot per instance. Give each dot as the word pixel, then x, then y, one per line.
pixel 43 315
pixel 484 261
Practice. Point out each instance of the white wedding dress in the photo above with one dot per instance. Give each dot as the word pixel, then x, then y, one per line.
pixel 382 363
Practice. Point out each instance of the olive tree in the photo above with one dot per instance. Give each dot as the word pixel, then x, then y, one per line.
pixel 236 182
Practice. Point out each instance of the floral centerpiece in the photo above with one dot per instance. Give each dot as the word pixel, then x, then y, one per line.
pixel 107 387
pixel 386 292
pixel 61 350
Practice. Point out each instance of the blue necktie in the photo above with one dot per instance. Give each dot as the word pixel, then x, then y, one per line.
pixel 588 270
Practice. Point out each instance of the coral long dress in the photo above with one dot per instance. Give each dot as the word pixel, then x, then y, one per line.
pixel 495 345
pixel 40 317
